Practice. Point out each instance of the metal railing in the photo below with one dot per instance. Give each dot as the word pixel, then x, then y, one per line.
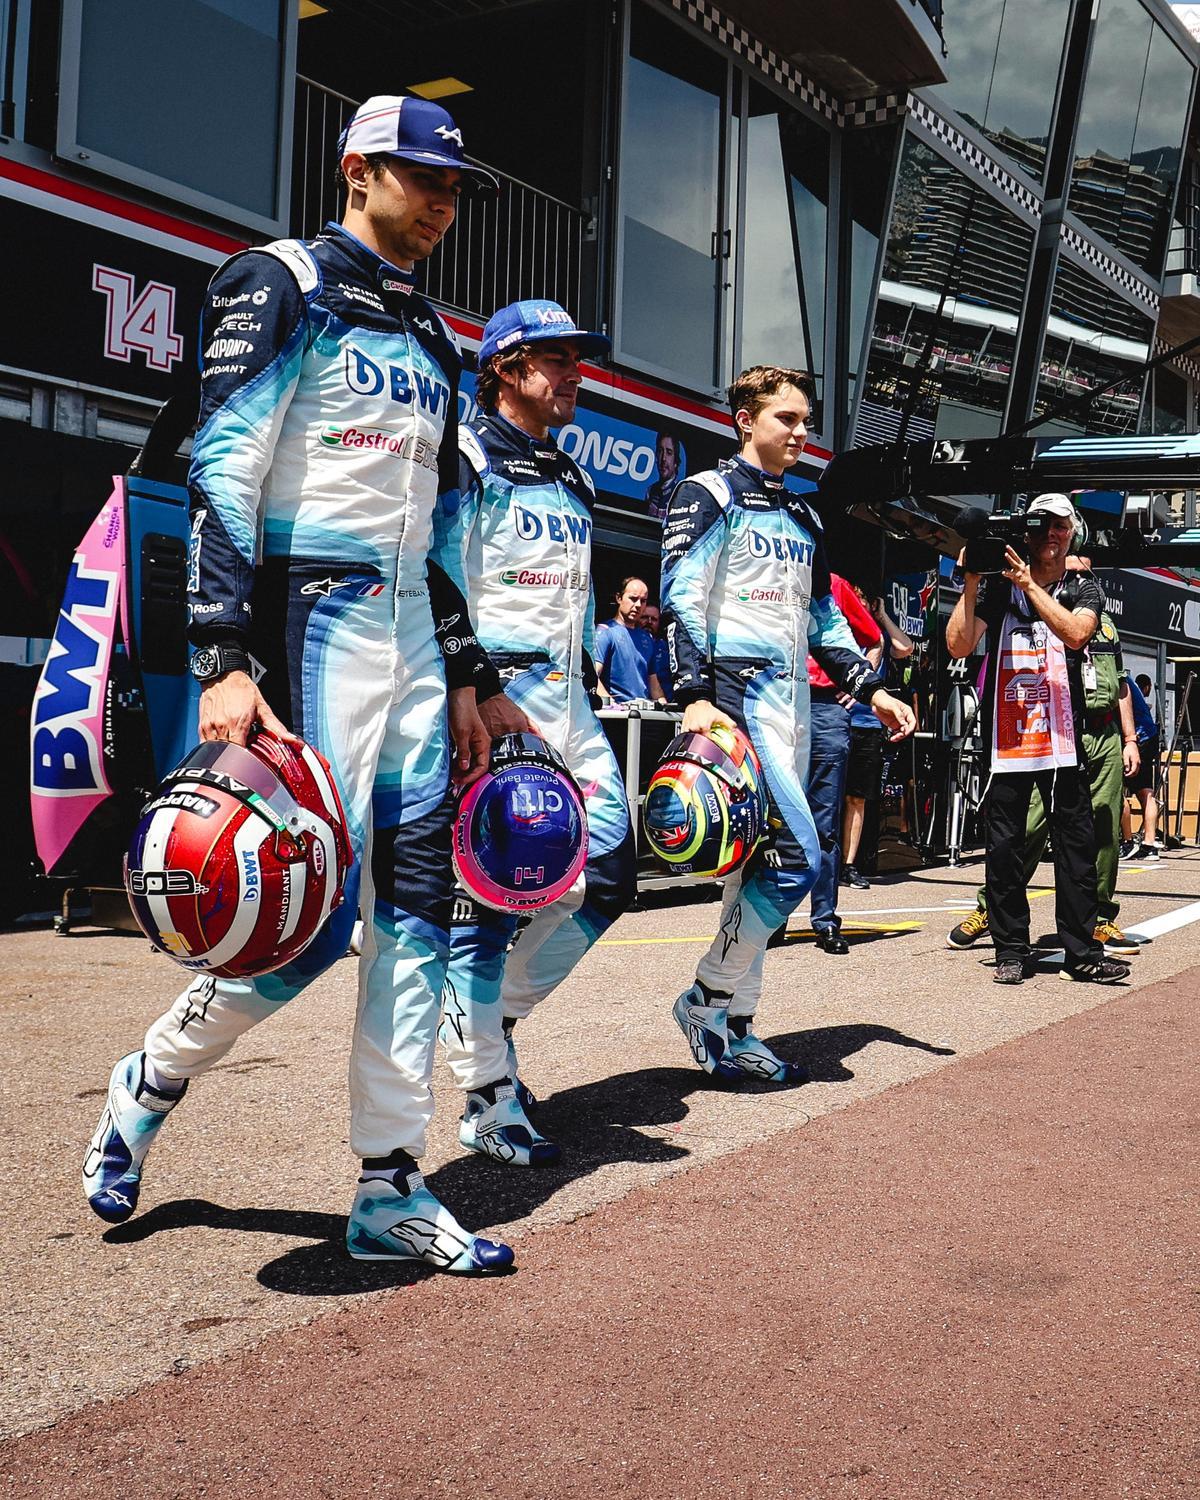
pixel 1183 248
pixel 523 243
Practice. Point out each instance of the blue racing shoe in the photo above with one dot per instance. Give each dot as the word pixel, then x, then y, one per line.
pixel 132 1118
pixel 707 1035
pixel 756 1060
pixel 387 1223
pixel 525 1097
pixel 503 1131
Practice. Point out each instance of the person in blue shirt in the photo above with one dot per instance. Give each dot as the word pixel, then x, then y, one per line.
pixel 660 663
pixel 1144 780
pixel 625 652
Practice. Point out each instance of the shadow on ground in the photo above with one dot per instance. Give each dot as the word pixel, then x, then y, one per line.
pixel 597 1124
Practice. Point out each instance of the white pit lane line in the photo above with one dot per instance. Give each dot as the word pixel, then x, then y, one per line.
pixel 1168 922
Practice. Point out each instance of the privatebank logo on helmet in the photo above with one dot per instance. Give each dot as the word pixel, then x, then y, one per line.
pixel 240 857
pixel 705 809
pixel 520 836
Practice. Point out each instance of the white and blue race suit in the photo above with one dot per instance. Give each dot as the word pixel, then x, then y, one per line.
pixel 745 598
pixel 517 538
pixel 328 423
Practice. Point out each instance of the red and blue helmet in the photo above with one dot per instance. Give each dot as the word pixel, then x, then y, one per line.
pixel 239 857
pixel 705 808
pixel 520 836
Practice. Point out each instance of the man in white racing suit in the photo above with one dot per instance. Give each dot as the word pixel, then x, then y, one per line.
pixel 328 424
pixel 745 598
pixel 517 538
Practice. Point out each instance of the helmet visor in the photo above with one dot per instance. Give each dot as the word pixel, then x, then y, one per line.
pixel 701 750
pixel 238 771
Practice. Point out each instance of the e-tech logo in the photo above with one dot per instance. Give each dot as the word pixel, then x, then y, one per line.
pixel 559 528
pixel 66 754
pixel 785 549
pixel 368 377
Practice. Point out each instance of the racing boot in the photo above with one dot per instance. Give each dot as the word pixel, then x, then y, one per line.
pixel 755 1059
pixel 399 1219
pixel 132 1118
pixel 706 1030
pixel 503 1131
pixel 524 1096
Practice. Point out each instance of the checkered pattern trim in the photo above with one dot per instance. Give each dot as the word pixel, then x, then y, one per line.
pixel 1185 365
pixel 877 110
pixel 943 131
pixel 1093 257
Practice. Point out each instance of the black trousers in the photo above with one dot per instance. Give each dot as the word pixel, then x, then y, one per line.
pixel 1067 797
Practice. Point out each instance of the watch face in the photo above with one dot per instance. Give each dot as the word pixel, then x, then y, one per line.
pixel 204 664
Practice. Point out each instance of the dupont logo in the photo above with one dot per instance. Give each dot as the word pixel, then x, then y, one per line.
pixel 364 437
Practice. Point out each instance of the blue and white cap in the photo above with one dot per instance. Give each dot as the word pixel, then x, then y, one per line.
pixel 411 128
pixel 527 322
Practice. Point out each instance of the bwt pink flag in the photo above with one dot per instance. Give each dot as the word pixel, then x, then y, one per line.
pixel 72 717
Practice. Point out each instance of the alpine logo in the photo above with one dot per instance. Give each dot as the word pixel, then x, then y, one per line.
pixel 450 135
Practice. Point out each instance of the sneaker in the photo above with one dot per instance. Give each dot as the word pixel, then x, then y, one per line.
pixel 1128 846
pixel 1009 971
pixel 524 1096
pixel 132 1118
pixel 400 1219
pixel 503 1131
pixel 1114 942
pixel 1097 971
pixel 705 1027
pixel 756 1060
pixel 855 878
pixel 969 930
pixel 1147 853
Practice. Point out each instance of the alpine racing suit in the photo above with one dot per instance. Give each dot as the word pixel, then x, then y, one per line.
pixel 745 599
pixel 328 420
pixel 517 538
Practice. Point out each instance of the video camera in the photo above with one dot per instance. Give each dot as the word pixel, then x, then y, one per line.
pixel 988 533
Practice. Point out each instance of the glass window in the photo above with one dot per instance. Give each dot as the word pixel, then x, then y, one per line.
pixel 671 242
pixel 783 224
pixel 1002 65
pixel 867 158
pixel 950 295
pixel 1131 130
pixel 210 97
pixel 1170 406
pixel 1093 337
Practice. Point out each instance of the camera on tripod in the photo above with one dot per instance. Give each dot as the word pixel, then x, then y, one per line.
pixel 988 534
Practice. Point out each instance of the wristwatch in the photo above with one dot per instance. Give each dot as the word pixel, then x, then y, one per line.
pixel 210 662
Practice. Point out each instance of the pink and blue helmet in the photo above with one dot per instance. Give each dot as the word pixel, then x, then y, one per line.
pixel 520 835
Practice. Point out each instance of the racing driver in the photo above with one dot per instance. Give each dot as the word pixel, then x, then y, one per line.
pixel 328 422
pixel 517 538
pixel 746 597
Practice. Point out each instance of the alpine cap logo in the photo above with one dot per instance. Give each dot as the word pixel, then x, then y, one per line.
pixel 450 135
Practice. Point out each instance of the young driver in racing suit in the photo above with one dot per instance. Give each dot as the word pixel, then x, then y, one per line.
pixel 328 423
pixel 746 597
pixel 517 539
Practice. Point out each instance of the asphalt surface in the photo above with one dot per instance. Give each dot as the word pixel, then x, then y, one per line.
pixel 961 1261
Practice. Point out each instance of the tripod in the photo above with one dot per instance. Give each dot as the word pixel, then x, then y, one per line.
pixel 1164 767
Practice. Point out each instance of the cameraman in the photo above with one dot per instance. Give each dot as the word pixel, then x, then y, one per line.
pixel 1039 619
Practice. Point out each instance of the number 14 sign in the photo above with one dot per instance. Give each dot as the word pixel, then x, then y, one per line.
pixel 142 321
